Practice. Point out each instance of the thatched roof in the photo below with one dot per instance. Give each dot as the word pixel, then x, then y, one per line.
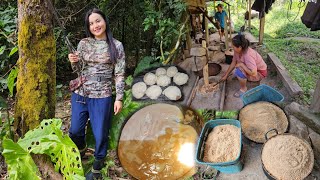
pixel 194 4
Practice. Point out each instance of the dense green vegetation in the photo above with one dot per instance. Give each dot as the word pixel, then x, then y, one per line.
pixel 8 48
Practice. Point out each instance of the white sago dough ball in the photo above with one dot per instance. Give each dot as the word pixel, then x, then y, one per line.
pixel 171 71
pixel 163 80
pixel 180 78
pixel 161 71
pixel 172 93
pixel 139 89
pixel 154 91
pixel 150 78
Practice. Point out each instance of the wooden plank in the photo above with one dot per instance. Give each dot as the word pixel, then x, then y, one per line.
pixel 315 104
pixel 223 96
pixel 261 30
pixel 291 85
pixel 303 114
pixel 193 93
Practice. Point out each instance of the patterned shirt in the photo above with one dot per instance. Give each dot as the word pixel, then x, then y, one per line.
pixel 95 62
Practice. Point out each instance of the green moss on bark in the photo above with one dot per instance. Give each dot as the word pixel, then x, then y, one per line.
pixel 35 99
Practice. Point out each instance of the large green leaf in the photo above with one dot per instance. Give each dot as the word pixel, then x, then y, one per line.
pixel 13 51
pixel 129 80
pixel 19 161
pixel 49 139
pixel 2 48
pixel 146 63
pixel 12 76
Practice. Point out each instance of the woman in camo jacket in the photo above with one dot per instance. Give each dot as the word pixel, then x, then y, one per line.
pixel 99 58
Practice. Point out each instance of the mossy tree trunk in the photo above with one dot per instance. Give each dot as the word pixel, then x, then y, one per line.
pixel 35 98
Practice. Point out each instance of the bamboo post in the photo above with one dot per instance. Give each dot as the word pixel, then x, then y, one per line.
pixel 206 67
pixel 226 33
pixel 249 20
pixel 229 16
pixel 214 9
pixel 315 102
pixel 189 41
pixel 206 28
pixel 261 30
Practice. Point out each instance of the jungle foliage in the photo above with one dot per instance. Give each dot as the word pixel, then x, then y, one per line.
pixel 8 48
pixel 46 139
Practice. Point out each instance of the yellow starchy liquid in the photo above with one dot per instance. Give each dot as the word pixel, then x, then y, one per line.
pixel 154 144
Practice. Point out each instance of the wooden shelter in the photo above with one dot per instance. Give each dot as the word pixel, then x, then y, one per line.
pixel 200 7
pixel 194 5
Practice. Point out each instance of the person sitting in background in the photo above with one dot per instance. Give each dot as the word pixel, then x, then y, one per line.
pixel 248 64
pixel 219 16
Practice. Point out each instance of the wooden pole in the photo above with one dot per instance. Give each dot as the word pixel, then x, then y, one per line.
pixel 206 67
pixel 249 20
pixel 315 104
pixel 261 30
pixel 205 13
pixel 206 28
pixel 229 16
pixel 214 9
pixel 189 40
pixel 226 33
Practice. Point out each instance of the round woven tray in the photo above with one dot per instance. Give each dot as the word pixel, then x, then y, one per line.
pixel 258 118
pixel 287 157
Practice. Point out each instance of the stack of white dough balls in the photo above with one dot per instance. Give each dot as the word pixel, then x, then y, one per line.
pixel 153 83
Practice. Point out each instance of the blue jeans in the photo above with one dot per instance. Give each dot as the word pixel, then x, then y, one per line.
pixel 99 111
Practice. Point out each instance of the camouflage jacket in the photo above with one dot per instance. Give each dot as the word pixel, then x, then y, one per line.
pixel 95 62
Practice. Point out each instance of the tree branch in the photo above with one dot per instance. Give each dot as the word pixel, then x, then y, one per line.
pixel 177 43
